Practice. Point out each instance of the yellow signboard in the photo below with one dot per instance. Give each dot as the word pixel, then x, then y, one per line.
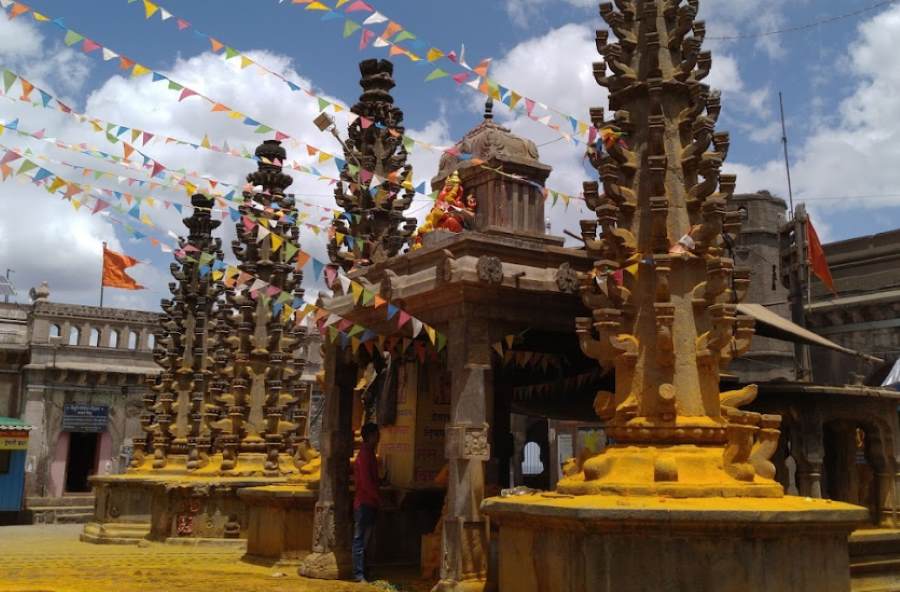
pixel 14 441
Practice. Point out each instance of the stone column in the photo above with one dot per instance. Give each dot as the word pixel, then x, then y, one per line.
pixel 809 452
pixel 464 546
pixel 332 523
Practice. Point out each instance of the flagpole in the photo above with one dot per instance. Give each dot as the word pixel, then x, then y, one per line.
pixel 787 164
pixel 101 273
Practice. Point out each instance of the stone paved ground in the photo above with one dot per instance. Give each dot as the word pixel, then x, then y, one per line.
pixel 50 558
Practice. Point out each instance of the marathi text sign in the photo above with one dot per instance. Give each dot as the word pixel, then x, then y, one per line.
pixel 13 440
pixel 78 417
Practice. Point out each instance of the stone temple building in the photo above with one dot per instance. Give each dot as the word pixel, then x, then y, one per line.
pixel 76 374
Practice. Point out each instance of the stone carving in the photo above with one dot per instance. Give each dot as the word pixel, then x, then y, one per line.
pixel 40 293
pixel 566 279
pixel 178 409
pixel 490 269
pixel 374 223
pixel 660 214
pixel 258 365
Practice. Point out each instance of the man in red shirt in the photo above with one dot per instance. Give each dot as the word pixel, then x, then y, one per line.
pixel 366 501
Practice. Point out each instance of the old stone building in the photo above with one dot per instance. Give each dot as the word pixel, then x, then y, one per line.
pixel 76 374
pixel 863 315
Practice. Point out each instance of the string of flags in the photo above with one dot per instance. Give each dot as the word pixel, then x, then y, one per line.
pixel 474 77
pixel 362 296
pixel 556 387
pixel 392 30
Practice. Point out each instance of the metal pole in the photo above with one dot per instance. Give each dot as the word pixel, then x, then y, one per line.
pixel 102 263
pixel 787 162
pixel 6 297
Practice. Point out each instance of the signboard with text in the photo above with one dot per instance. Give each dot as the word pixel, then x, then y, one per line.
pixel 14 440
pixel 79 417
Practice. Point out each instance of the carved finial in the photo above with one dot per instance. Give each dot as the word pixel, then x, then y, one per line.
pixel 40 293
pixel 489 109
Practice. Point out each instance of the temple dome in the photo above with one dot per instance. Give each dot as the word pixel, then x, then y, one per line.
pixel 492 142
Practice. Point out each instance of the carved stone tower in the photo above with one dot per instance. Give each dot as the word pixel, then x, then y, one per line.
pixel 375 188
pixel 664 288
pixel 262 360
pixel 179 410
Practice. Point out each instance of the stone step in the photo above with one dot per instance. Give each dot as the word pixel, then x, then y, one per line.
pixel 62 514
pixel 36 503
pixel 75 518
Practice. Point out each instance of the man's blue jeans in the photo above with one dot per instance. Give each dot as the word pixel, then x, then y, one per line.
pixel 364 524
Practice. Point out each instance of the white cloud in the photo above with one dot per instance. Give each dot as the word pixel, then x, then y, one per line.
pixel 857 154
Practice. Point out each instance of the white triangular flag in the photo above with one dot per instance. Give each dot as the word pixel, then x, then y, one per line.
pixel 416 326
pixel 164 14
pixel 345 283
pixel 375 18
pixel 109 54
pixel 262 233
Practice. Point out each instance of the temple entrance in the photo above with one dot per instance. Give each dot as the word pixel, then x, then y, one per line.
pixel 81 461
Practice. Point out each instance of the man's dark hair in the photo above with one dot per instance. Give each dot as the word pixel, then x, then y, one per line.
pixel 368 430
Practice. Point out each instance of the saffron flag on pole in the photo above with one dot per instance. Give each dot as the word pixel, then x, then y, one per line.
pixel 816 254
pixel 114 266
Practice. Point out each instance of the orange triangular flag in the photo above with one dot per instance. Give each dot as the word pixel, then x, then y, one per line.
pixel 114 266
pixel 817 262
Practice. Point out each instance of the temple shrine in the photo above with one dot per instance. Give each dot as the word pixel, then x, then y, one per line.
pixel 491 319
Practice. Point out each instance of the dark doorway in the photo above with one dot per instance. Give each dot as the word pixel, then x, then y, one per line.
pixel 81 461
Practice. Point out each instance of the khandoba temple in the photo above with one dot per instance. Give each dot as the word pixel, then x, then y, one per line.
pixel 683 435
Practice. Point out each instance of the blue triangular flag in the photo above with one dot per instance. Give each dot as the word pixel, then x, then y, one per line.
pixel 345 340
pixel 340 162
pixel 297 303
pixel 45 98
pixel 122 129
pixel 135 212
pixel 139 235
pixel 318 266
pixel 249 121
pixel 331 15
pixel 14 124
pixel 276 309
pixel 421 188
pixel 292 86
pixel 157 77
pixel 177 207
pixel 392 310
pixel 42 174
pixel 235 215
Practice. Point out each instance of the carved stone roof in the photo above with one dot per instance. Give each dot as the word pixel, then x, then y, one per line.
pixel 490 141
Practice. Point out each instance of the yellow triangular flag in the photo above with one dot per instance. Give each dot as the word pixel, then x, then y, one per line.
pixel 429 330
pixel 139 70
pixel 339 238
pixel 509 340
pixel 357 290
pixel 324 156
pixel 205 143
pixel 149 8
pixel 276 242
pixel 245 61
pixel 434 54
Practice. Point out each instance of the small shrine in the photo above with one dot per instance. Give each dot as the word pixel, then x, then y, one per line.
pixel 228 411
pixel 490 283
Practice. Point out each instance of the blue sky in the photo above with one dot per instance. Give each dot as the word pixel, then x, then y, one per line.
pixel 838 80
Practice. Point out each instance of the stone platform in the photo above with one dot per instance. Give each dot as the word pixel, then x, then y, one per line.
pixel 556 543
pixel 280 523
pixel 167 508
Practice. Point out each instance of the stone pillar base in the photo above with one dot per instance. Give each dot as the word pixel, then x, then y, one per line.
pixel 280 523
pixel 464 586
pixel 554 543
pixel 326 566
pixel 115 533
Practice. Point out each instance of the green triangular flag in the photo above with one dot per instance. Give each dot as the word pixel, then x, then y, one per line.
pixel 230 52
pixel 355 330
pixel 8 79
pixel 408 143
pixel 403 36
pixel 263 129
pixel 174 86
pixel 289 250
pixel 441 341
pixel 323 104
pixel 350 27
pixel 72 38
pixel 26 166
pixel 437 73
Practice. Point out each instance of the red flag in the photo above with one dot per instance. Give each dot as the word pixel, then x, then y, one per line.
pixel 114 266
pixel 817 261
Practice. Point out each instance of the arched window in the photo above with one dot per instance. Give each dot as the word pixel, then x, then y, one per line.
pixel 113 338
pixel 95 338
pixel 151 341
pixel 74 336
pixel 532 464
pixel 54 330
pixel 132 340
